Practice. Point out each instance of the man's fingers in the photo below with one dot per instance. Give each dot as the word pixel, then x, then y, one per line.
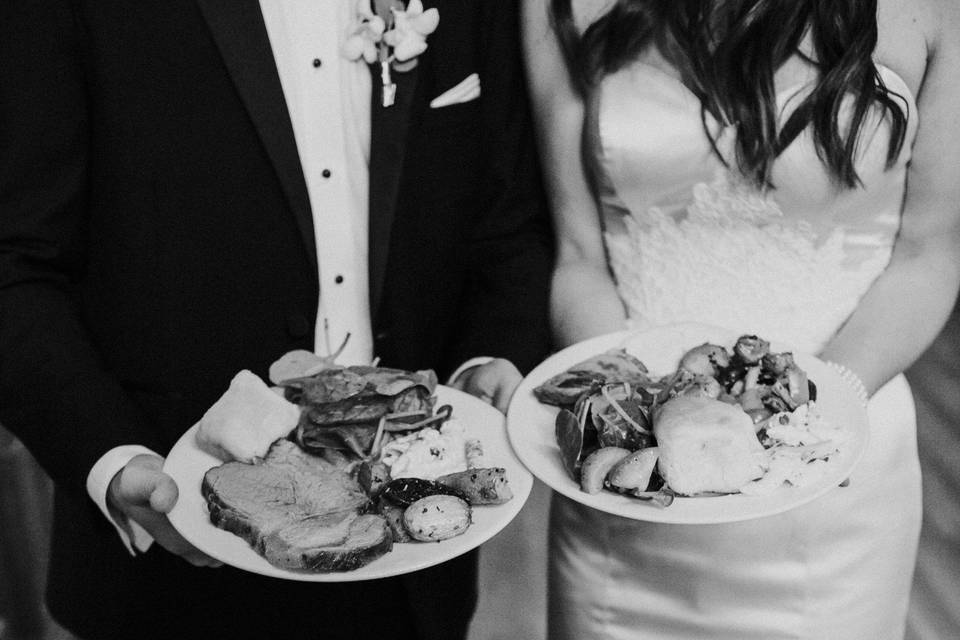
pixel 163 533
pixel 165 494
pixel 139 479
pixel 143 483
pixel 143 493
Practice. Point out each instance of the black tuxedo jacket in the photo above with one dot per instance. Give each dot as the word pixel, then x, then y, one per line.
pixel 156 237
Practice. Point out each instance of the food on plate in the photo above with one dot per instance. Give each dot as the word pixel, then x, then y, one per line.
pixel 428 453
pixel 394 515
pixel 571 438
pixel 706 446
pixel 343 406
pixel 405 491
pixel 634 471
pixel 297 510
pixel 597 465
pixel 566 387
pixel 245 420
pixel 437 517
pixel 372 476
pixel 726 420
pixel 301 363
pixel 323 475
pixel 480 486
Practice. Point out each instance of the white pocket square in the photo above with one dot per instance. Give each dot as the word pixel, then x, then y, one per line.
pixel 465 91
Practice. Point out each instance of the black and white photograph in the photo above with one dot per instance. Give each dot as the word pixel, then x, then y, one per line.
pixel 479 319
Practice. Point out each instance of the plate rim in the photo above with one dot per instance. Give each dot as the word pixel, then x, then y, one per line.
pixel 724 509
pixel 520 478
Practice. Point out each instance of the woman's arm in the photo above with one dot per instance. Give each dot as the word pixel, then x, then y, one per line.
pixel 909 303
pixel 584 300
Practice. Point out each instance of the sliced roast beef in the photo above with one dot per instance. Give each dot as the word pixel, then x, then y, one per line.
pixel 297 510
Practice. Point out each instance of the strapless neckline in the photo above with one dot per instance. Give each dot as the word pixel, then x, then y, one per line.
pixel 794 88
pixel 682 225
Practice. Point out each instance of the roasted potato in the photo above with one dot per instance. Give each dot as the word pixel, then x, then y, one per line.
pixel 597 465
pixel 480 486
pixel 437 518
pixel 633 471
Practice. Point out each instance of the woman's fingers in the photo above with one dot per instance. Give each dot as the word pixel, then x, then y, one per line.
pixel 493 382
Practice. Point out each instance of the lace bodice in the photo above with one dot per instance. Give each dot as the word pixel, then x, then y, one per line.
pixel 689 240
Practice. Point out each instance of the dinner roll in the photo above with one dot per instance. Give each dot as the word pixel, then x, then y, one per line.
pixel 706 446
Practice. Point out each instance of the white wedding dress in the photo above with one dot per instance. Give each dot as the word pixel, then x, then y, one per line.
pixel 689 241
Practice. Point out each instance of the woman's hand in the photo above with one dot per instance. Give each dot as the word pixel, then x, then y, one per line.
pixel 493 382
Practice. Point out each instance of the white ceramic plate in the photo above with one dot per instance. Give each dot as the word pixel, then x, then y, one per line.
pixel 187 464
pixel 530 425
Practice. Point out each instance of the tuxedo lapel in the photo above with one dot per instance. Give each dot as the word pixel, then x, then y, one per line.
pixel 241 36
pixel 388 134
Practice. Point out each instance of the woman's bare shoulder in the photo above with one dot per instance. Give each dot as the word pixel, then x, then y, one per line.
pixel 911 32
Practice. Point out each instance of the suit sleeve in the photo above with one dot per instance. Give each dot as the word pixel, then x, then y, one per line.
pixel 55 393
pixel 506 304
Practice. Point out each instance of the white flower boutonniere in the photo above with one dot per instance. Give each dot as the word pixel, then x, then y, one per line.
pixel 392 34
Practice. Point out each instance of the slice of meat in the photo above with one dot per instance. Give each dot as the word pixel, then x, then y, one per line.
pixel 297 510
pixel 348 545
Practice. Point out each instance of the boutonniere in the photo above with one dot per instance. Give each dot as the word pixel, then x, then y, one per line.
pixel 392 34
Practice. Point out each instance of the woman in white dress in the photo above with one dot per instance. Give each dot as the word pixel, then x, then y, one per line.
pixel 745 163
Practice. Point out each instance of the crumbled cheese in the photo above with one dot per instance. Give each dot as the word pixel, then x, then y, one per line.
pixel 799 444
pixel 428 453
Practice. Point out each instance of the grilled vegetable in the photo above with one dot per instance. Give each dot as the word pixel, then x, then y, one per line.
pixel 344 406
pixel 597 465
pixel 620 418
pixel 393 514
pixel 406 491
pixel 437 518
pixel 750 349
pixel 480 486
pixel 634 470
pixel 707 359
pixel 569 433
pixel 373 476
pixel 615 365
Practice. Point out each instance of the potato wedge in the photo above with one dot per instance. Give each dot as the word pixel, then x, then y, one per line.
pixel 634 471
pixel 597 465
pixel 480 486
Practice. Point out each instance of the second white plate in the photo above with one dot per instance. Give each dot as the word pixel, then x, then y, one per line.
pixel 530 425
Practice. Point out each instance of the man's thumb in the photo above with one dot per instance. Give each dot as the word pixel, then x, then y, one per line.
pixel 142 482
pixel 165 494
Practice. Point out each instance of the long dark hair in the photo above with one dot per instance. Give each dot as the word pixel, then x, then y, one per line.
pixel 728 51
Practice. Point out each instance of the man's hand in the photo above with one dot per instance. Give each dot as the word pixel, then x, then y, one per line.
pixel 143 493
pixel 494 382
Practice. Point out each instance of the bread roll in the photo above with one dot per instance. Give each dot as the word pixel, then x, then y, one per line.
pixel 246 419
pixel 706 446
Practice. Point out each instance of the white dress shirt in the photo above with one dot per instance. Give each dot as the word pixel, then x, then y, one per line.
pixel 328 98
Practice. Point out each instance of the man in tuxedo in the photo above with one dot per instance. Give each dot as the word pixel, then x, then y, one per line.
pixel 193 187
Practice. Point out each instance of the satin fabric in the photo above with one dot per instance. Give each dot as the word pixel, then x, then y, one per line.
pixel 690 240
